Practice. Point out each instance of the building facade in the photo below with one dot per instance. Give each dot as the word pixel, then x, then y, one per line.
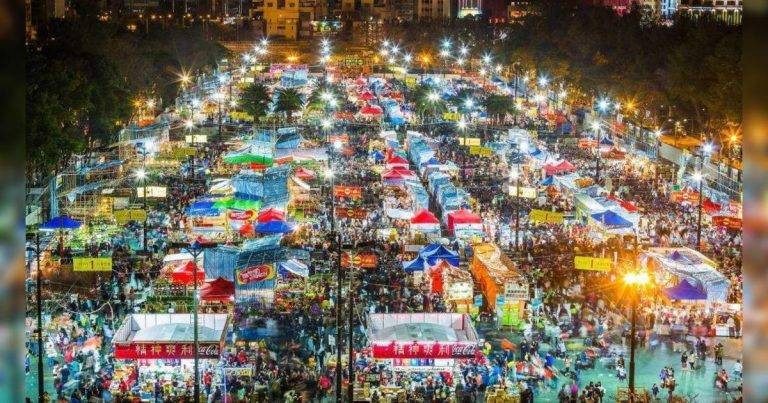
pixel 433 9
pixel 289 19
pixel 469 8
pixel 728 11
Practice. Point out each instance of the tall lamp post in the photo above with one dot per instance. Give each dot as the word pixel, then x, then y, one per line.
pixel 705 152
pixel 521 148
pixel 329 175
pixel 39 295
pixel 462 124
pixel 141 174
pixel 350 338
pixel 637 282
pixel 596 128
pixel 195 251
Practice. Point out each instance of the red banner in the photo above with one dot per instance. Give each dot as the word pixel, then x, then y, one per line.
pixel 424 350
pixel 727 222
pixel 168 351
pixel 348 192
pixel 365 260
pixel 255 274
pixel 355 213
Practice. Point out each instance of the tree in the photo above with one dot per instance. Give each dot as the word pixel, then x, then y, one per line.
pixel 427 100
pixel 498 106
pixel 255 100
pixel 288 101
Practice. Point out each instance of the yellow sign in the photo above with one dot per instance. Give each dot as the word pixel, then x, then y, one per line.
pixel 237 115
pixel 196 138
pixel 183 152
pixel 469 141
pixel 550 217
pixel 481 151
pixel 592 263
pixel 92 264
pixel 525 193
pixel 159 192
pixel 124 216
pixel 451 116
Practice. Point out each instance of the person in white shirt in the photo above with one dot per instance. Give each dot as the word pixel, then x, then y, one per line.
pixel 738 368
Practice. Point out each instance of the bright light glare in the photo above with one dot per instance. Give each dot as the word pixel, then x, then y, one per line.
pixel 543 81
pixel 658 133
pixel 337 144
pixel 327 123
pixel 463 50
pixel 639 278
pixel 697 177
pixel 189 124
pixel 469 103
pixel 195 103
pixel 603 104
pixel 329 174
pixel 595 126
pixel 407 57
pixel 462 124
pixel 433 96
pixel 141 173
pixel 708 148
pixel 150 103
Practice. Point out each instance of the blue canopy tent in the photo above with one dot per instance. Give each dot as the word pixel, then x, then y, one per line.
pixel 274 227
pixel 414 265
pixel 378 156
pixel 203 208
pixel 434 254
pixel 292 267
pixel 686 291
pixel 549 180
pixel 611 219
pixel 60 223
pixel 606 141
pixel 289 140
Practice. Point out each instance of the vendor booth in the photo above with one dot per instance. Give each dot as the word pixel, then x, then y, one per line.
pixel 161 348
pixel 672 266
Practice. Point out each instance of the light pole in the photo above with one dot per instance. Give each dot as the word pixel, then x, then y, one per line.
pixel 521 147
pixel 596 128
pixel 350 338
pixel 329 174
pixel 39 295
pixel 705 152
pixel 195 251
pixel 637 282
pixel 141 174
pixel 462 124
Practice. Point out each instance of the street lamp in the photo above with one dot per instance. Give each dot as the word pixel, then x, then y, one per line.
pixel 596 128
pixel 36 251
pixel 637 282
pixel 462 124
pixel 141 174
pixel 521 148
pixel 195 250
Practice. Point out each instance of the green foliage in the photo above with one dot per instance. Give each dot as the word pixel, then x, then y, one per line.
pixel 288 101
pixel 425 105
pixel 255 100
pixel 498 105
pixel 83 74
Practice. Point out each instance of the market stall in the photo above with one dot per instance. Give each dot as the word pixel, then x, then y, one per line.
pixel 160 348
pixel 673 265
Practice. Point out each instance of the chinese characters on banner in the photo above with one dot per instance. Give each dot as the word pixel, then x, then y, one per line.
pixel 727 222
pixel 525 192
pixel 255 274
pixel 124 216
pixel 365 260
pixel 424 350
pixel 348 192
pixel 354 213
pixel 592 263
pixel 133 351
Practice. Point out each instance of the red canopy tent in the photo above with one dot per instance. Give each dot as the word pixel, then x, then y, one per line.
pixel 710 207
pixel 305 174
pixel 462 216
pixel 371 110
pixel 270 214
pixel 217 290
pixel 185 274
pixel 366 96
pixel 424 216
pixel 397 161
pixel 392 175
pixel 564 166
pixel 626 205
pixel 247 230
pixel 403 171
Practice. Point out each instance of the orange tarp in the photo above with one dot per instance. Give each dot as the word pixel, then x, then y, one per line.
pixel 492 270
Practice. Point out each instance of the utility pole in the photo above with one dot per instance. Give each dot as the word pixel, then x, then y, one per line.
pixel 350 334
pixel 195 251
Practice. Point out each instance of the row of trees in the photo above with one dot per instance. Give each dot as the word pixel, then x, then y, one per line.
pixel 688 69
pixel 84 75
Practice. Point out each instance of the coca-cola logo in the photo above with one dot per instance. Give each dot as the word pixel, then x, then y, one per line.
pixel 255 273
pixel 463 350
pixel 208 350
